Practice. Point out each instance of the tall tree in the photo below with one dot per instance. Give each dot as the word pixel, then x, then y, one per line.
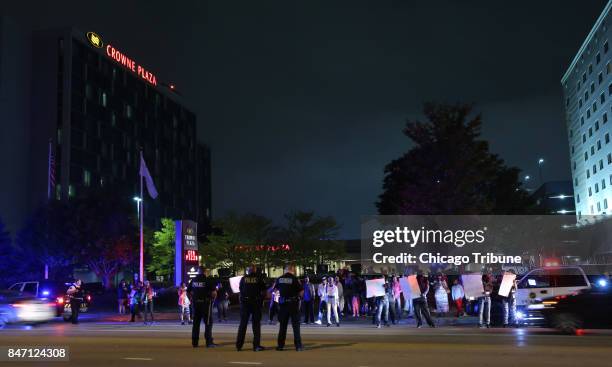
pixel 312 239
pixel 450 169
pixel 162 249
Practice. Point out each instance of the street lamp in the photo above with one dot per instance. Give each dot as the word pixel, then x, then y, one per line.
pixel 137 200
pixel 540 163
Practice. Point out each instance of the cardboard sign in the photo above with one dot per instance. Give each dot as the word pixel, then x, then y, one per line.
pixel 506 284
pixel 235 284
pixel 472 286
pixel 410 287
pixel 375 288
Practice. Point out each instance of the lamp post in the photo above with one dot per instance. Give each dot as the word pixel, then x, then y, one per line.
pixel 540 163
pixel 137 200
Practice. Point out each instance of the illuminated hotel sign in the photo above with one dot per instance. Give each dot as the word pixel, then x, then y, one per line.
pixel 95 40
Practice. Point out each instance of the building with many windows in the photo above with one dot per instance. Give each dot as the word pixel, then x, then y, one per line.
pixel 587 87
pixel 94 108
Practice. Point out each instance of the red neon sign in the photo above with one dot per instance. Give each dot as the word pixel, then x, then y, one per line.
pixel 191 255
pixel 130 64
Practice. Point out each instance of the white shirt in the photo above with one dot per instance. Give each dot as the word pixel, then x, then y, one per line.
pixel 332 291
pixel 457 292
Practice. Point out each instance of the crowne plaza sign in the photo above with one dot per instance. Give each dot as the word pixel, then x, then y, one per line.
pixel 121 58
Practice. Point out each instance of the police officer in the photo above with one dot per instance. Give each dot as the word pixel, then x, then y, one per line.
pixel 203 291
pixel 252 290
pixel 76 294
pixel 290 292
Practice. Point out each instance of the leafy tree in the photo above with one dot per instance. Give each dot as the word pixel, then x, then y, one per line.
pixel 107 239
pixel 312 239
pixel 450 170
pixel 162 249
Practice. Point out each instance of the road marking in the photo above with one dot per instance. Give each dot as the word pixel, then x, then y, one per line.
pixel 245 362
pixel 138 359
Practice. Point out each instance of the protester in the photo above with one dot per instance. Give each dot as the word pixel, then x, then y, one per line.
pixel 382 306
pixel 134 299
pixel 396 304
pixel 484 303
pixel 348 295
pixel 509 304
pixel 222 302
pixel 147 300
pixel 457 293
pixel 322 299
pixel 441 292
pixel 340 299
pixel 184 304
pixel 421 309
pixel 274 304
pixel 355 290
pixel 140 298
pixel 308 301
pixel 122 293
pixel 331 291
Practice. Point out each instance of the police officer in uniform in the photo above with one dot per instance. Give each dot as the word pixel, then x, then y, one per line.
pixel 203 291
pixel 76 294
pixel 290 290
pixel 252 290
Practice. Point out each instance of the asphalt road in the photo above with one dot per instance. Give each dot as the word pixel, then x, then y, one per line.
pixel 169 344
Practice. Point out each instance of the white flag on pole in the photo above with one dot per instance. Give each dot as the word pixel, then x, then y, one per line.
pixel 144 172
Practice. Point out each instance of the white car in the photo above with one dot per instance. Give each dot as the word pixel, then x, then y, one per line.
pixel 544 283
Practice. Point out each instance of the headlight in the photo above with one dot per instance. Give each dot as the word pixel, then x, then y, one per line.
pixel 520 315
pixel 602 283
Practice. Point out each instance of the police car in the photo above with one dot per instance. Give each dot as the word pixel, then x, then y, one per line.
pixel 54 292
pixel 541 284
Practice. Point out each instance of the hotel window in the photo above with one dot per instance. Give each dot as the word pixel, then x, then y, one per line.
pixel 608 68
pixel 602 98
pixel 609 158
pixel 586 156
pixel 573 149
pixel 580 103
pixel 611 179
pixel 588 113
pixel 113 119
pixel 586 96
pixel 594 169
pixel 610 89
pixel 598 206
pixel 574 165
pixel 577 198
pixel 601 164
pixel 594 107
pixel 590 69
pixel 584 77
pixel 590 192
pixel 71 191
pixel 592 211
pixel 607 138
pixel 581 120
pixel 578 87
pixel 103 99
pixel 592 87
pixel 600 78
pixel 576 181
pixel 605 117
pixel 603 184
pixel 598 144
pixel 606 47
pixel 596 188
pixel 588 173
pixel 598 58
pixel 605 203
pixel 596 125
pixel 590 132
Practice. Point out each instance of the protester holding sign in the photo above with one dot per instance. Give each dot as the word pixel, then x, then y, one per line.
pixel 507 291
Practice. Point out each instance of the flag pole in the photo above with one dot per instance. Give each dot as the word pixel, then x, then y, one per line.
pixel 49 168
pixel 141 203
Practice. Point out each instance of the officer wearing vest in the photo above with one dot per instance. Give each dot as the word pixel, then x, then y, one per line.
pixel 252 290
pixel 76 294
pixel 203 291
pixel 290 290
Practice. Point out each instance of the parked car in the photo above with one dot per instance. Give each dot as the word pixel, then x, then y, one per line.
pixel 16 307
pixel 589 309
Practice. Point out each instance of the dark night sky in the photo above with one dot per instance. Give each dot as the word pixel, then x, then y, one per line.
pixel 303 102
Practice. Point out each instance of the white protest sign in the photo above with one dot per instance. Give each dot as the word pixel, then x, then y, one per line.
pixel 235 283
pixel 375 288
pixel 410 287
pixel 506 284
pixel 472 286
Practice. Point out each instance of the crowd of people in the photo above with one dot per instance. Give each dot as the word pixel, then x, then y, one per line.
pixel 334 298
